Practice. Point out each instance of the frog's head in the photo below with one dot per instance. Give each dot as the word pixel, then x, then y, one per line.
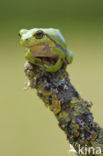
pixel 44 45
pixel 39 35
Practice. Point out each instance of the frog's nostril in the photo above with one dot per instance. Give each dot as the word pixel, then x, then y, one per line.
pixel 23 31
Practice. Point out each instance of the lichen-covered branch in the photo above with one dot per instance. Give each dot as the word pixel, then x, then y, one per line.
pixel 72 112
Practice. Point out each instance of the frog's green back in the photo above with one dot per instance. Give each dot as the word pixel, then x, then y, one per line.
pixel 55 34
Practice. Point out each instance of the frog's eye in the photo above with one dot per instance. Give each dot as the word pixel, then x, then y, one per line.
pixel 39 34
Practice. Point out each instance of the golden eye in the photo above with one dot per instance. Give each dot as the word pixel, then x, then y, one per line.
pixel 39 34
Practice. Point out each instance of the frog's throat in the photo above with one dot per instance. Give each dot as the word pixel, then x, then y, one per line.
pixel 43 50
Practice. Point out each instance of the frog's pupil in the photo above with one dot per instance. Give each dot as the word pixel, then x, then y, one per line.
pixel 39 34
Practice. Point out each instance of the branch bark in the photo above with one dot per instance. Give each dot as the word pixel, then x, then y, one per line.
pixel 71 110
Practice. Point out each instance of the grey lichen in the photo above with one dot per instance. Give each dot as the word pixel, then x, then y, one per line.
pixel 72 112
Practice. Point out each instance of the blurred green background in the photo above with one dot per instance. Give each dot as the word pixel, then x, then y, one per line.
pixel 27 128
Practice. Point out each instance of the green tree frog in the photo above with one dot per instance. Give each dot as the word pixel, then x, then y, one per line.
pixel 46 48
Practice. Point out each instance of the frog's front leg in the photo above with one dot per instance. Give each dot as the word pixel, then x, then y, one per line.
pixel 59 63
pixel 31 59
pixel 58 51
pixel 56 67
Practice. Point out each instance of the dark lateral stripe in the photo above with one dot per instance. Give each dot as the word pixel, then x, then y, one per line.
pixel 56 44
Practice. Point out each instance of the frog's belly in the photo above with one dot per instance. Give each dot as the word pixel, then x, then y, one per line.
pixel 42 51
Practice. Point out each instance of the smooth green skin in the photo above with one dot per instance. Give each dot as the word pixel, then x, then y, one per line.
pixel 54 40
